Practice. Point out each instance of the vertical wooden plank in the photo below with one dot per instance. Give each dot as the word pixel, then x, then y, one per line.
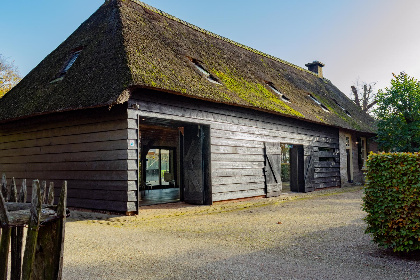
pixel 4 252
pixel 19 233
pixel 309 168
pixel 15 255
pixel 4 186
pixel 50 200
pixel 49 252
pixel 5 238
pixel 23 193
pixel 33 228
pixel 139 171
pixel 13 191
pixel 61 212
pixel 206 147
pixel 43 191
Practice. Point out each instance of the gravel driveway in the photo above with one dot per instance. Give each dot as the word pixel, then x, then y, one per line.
pixel 300 236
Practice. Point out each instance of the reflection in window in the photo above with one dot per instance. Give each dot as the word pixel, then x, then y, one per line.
pixel 160 167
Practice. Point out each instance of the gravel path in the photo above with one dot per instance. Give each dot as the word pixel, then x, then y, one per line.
pixel 303 236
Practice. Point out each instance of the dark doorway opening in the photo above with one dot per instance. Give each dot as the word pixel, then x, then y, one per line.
pixel 348 157
pixel 285 167
pixel 297 178
pixel 174 162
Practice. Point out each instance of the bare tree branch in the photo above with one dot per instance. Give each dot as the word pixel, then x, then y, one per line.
pixel 363 94
pixel 356 95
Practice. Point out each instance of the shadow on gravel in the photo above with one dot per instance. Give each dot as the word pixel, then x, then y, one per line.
pixel 410 256
pixel 96 215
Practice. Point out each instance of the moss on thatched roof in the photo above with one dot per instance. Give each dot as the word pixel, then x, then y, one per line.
pixel 127 44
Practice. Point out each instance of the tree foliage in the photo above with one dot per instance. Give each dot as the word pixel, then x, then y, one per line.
pixel 364 95
pixel 9 76
pixel 398 113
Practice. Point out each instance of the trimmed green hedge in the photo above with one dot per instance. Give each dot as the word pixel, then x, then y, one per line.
pixel 392 200
pixel 285 172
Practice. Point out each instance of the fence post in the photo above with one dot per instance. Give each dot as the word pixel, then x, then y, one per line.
pixel 43 258
pixel 49 254
pixel 50 199
pixel 4 186
pixel 33 228
pixel 23 193
pixel 5 238
pixel 43 191
pixel 15 270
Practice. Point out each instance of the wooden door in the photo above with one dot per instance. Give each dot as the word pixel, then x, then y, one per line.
pixel 272 169
pixel 348 157
pixel 297 179
pixel 196 165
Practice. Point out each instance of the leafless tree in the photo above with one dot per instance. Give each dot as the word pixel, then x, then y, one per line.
pixel 364 95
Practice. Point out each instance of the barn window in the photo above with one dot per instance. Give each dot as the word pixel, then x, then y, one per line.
pixel 342 108
pixel 319 103
pixel 74 54
pixel 71 61
pixel 204 72
pixel 273 88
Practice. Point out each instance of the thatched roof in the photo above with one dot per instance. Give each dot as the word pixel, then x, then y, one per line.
pixel 128 44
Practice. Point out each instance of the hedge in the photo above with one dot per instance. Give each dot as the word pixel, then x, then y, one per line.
pixel 392 200
pixel 285 172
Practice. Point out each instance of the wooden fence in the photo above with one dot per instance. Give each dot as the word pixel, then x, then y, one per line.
pixel 43 254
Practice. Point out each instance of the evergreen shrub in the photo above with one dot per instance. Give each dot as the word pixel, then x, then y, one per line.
pixel 392 200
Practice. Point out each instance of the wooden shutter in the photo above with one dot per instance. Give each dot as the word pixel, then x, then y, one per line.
pixel 196 166
pixel 272 169
pixel 297 178
pixel 310 160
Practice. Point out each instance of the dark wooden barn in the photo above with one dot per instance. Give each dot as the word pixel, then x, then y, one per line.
pixel 137 106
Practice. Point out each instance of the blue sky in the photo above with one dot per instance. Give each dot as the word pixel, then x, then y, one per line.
pixel 357 40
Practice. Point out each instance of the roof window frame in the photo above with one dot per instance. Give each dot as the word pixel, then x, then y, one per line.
pixel 198 65
pixel 73 56
pixel 279 93
pixel 342 108
pixel 318 102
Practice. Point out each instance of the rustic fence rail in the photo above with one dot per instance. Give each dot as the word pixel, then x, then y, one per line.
pixel 45 222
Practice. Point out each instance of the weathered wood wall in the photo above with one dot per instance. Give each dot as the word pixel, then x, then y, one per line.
pixel 237 141
pixel 96 150
pixel 88 148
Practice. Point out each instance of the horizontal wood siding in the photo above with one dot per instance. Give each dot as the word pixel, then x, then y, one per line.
pixel 88 148
pixel 237 140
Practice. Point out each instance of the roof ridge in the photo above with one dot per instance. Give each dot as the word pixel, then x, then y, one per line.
pixel 156 10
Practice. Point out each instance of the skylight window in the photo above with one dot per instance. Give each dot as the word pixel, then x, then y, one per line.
pixel 205 73
pixel 273 88
pixel 342 108
pixel 71 61
pixel 319 103
pixel 73 56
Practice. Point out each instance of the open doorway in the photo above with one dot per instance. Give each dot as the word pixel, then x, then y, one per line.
pixel 174 162
pixel 159 161
pixel 285 167
pixel 292 168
